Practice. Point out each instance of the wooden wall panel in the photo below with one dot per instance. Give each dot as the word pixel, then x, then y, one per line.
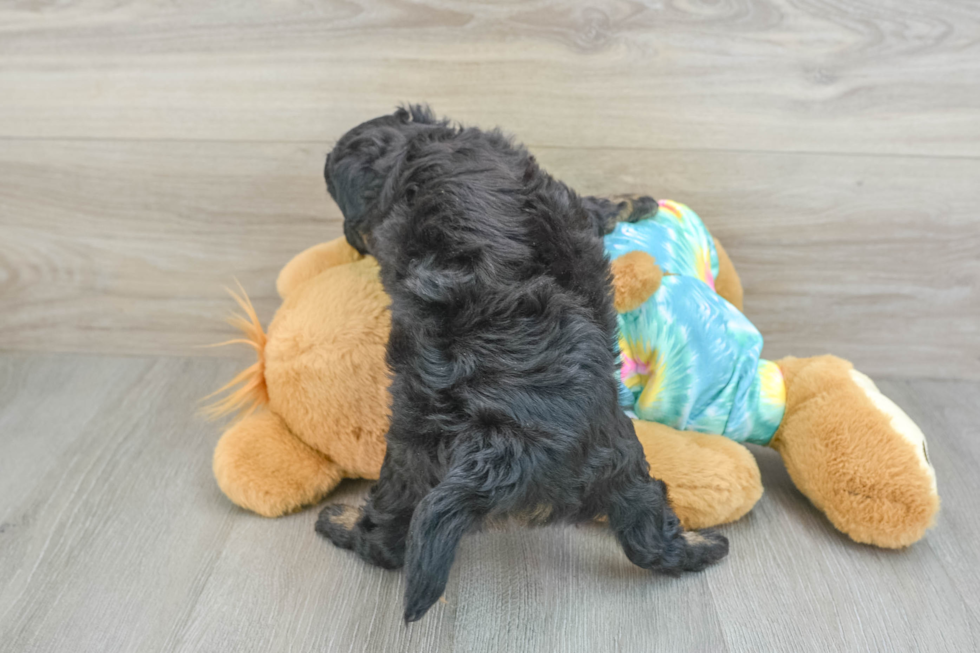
pixel 150 152
pixel 895 76
pixel 124 247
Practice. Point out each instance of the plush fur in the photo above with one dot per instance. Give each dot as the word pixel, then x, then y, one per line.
pixel 710 479
pixel 502 352
pixel 635 278
pixel 838 440
pixel 320 382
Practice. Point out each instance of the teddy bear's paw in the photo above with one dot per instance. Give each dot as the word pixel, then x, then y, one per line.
pixel 901 424
pixel 336 522
pixel 855 454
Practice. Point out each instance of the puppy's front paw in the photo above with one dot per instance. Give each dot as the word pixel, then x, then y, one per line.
pixel 336 522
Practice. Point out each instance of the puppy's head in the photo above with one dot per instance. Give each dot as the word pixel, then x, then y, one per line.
pixel 361 169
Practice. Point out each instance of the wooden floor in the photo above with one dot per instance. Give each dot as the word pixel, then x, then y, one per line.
pixel 114 537
pixel 152 152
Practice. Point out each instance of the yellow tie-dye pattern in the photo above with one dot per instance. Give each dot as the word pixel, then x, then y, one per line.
pixel 704 267
pixel 658 376
pixel 771 384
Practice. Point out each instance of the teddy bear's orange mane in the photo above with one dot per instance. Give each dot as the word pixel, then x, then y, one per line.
pixel 248 387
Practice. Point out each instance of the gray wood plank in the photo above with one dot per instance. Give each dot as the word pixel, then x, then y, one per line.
pixel 567 589
pixel 792 582
pixel 556 589
pixel 115 248
pixel 45 403
pixel 816 591
pixel 125 247
pixel 113 544
pixel 896 76
pixel 949 414
pixel 119 540
pixel 278 586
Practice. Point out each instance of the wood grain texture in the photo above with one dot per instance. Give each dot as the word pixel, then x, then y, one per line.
pixel 114 536
pixel 109 547
pixel 150 153
pixel 895 76
pixel 125 247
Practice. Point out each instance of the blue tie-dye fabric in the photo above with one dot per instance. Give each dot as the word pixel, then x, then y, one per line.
pixel 690 359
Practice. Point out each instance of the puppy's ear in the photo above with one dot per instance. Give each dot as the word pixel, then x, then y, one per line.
pixel 354 187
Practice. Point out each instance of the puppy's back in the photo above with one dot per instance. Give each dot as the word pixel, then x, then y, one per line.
pixel 499 285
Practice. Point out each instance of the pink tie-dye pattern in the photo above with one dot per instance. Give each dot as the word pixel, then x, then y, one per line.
pixel 632 367
pixel 667 205
pixel 708 277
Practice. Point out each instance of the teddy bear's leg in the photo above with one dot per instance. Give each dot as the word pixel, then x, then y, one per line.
pixel 312 261
pixel 710 479
pixel 260 465
pixel 854 453
pixel 727 284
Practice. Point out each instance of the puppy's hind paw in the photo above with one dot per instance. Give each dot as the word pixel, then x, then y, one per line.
pixel 336 523
pixel 703 548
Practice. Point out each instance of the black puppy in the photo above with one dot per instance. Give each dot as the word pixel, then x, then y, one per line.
pixel 502 350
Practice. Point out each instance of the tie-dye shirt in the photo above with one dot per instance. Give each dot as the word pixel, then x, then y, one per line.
pixel 690 359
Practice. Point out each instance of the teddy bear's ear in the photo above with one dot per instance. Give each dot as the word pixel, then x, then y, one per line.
pixel 636 276
pixel 311 262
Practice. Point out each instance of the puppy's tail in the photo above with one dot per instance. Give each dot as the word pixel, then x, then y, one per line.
pixel 440 521
pixel 251 391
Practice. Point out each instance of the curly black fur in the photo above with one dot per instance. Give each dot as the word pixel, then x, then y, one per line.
pixel 502 352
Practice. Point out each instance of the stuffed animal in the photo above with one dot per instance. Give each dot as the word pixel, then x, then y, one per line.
pixel 320 387
pixel 314 404
pixel 691 360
